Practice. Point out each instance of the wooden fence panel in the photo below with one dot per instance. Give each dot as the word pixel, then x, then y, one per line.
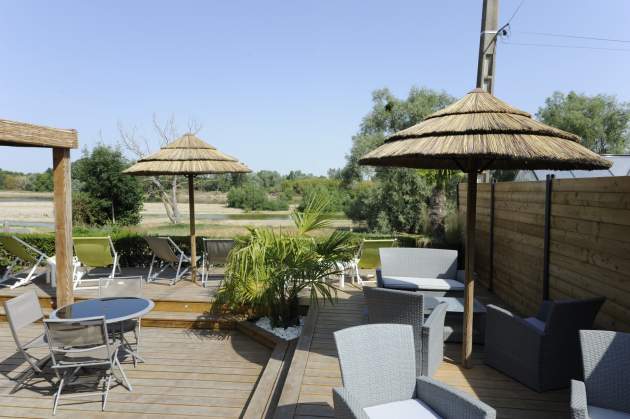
pixel 589 245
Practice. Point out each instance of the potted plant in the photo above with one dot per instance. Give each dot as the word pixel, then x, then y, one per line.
pixel 268 269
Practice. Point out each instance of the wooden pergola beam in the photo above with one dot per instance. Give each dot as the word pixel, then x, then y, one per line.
pixel 20 134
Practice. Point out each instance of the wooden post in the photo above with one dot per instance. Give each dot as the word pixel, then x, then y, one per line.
pixel 193 238
pixel 63 225
pixel 469 292
pixel 493 184
pixel 547 236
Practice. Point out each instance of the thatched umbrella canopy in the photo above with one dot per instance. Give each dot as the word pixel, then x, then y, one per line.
pixel 188 156
pixel 477 133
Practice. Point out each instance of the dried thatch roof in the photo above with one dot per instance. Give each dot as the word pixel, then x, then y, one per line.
pixel 21 134
pixel 480 131
pixel 187 155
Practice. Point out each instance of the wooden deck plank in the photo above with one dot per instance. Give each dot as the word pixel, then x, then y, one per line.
pixel 187 374
pixel 319 371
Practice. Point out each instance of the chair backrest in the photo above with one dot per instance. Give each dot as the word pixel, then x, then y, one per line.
pixel 22 311
pixel 217 250
pixel 419 263
pixel 20 249
pixel 68 335
pixel 96 252
pixel 368 252
pixel 162 247
pixel 394 306
pixel 606 362
pixel 377 362
pixel 569 316
pixel 120 287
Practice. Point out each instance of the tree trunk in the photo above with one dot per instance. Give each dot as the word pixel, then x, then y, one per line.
pixel 437 213
pixel 169 199
pixel 174 206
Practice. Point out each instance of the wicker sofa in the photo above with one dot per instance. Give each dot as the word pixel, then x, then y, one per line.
pixel 541 352
pixel 431 271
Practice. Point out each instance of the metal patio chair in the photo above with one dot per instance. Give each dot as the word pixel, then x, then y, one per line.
pixel 124 287
pixel 23 311
pixel 79 344
pixel 215 253
pixel 168 255
pixel 380 382
pixel 22 252
pixel 93 252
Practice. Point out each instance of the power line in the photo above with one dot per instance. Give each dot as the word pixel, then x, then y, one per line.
pixel 527 44
pixel 560 35
pixel 518 8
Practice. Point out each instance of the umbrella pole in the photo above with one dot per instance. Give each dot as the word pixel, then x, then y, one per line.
pixel 193 238
pixel 469 293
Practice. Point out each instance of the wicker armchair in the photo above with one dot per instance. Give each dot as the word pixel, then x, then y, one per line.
pixel 605 391
pixel 379 381
pixel 404 307
pixel 541 352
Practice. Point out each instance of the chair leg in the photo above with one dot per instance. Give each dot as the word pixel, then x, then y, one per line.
pixel 126 381
pixel 149 277
pixel 58 395
pixel 107 385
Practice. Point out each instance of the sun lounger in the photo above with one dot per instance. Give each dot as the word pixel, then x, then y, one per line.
pixel 22 253
pixel 94 252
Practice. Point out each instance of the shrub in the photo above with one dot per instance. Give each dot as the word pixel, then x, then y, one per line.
pixel 268 269
pixel 251 197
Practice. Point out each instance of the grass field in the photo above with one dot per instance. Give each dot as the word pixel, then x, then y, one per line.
pixel 33 212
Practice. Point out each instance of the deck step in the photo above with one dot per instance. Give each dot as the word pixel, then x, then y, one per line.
pixel 176 319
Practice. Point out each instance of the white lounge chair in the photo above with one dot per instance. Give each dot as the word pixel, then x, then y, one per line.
pixel 93 252
pixel 23 252
pixel 432 271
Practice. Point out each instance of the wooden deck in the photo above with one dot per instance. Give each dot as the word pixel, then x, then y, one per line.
pixel 187 374
pixel 315 371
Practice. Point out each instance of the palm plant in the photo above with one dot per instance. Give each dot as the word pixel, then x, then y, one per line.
pixel 268 269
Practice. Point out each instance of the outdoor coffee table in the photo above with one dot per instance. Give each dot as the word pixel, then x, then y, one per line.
pixel 453 323
pixel 114 309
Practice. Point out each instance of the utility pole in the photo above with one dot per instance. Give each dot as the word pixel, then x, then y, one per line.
pixel 487 53
pixel 487 45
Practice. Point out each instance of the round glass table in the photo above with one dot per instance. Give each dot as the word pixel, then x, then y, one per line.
pixel 114 309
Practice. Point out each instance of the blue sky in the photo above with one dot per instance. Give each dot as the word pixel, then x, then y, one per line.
pixel 280 84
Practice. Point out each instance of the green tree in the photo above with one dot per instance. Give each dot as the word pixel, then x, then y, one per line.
pixel 116 197
pixel 40 182
pixel 389 115
pixel 601 121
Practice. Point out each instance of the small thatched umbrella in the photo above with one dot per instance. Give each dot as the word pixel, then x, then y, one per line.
pixel 188 156
pixel 477 133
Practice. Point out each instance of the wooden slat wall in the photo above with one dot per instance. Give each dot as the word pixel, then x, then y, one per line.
pixel 590 243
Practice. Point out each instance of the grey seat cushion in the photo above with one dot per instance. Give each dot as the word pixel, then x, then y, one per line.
pixel 600 413
pixel 412 408
pixel 536 323
pixel 432 284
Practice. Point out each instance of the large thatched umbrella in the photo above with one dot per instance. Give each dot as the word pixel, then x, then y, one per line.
pixel 476 133
pixel 188 156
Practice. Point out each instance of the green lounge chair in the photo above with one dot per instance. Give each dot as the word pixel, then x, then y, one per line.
pixel 367 257
pixel 22 253
pixel 93 252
